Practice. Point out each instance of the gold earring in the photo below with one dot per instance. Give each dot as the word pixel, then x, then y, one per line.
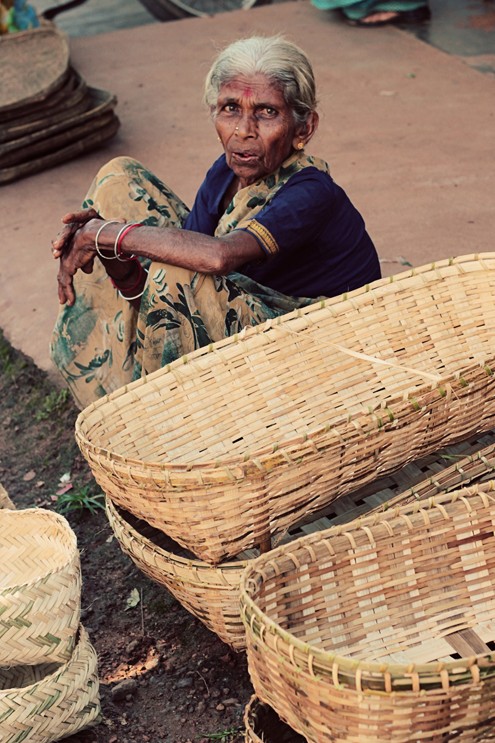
pixel 300 145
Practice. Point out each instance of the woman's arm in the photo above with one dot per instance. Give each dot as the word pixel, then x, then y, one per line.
pixel 191 250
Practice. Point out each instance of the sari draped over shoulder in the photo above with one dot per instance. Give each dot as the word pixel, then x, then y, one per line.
pixel 102 342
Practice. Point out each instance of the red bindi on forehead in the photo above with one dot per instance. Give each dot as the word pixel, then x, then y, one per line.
pixel 247 90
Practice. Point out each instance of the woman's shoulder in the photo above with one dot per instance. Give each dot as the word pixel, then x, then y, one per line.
pixel 311 181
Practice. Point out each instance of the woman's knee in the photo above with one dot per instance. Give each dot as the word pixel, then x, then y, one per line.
pixel 117 166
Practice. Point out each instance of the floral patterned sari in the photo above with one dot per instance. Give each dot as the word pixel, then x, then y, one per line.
pixel 102 342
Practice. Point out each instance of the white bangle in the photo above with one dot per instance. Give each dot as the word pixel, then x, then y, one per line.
pixel 116 243
pixel 130 299
pixel 97 247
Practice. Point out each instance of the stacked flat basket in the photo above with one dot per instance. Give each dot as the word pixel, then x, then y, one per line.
pixel 48 114
pixel 48 667
pixel 238 444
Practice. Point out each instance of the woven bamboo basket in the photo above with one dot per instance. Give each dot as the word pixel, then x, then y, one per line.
pixel 211 592
pixel 86 139
pixel 231 445
pixel 72 88
pixel 49 701
pixel 381 629
pixel 40 587
pixel 73 96
pixel 34 65
pixel 263 725
pixel 99 105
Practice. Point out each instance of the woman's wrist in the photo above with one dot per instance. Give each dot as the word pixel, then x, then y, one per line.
pixel 109 239
pixel 104 248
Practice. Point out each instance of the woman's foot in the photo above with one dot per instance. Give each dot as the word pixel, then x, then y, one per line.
pixel 382 18
pixel 376 19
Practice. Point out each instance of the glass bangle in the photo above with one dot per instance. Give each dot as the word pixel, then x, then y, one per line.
pixel 97 247
pixel 118 240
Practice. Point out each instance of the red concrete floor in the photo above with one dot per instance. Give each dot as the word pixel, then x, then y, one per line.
pixel 407 127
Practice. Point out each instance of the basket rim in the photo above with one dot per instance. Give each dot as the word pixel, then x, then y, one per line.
pixel 440 479
pixel 193 562
pixel 32 40
pixel 273 454
pixel 315 654
pixel 71 546
pixel 83 646
pixel 270 456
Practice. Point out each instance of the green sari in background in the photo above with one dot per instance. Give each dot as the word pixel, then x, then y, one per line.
pixel 102 343
pixel 357 10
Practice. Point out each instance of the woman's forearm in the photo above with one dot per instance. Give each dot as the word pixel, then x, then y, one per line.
pixel 190 250
pixel 118 249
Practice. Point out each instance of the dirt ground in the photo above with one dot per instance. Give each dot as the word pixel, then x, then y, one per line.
pixel 165 678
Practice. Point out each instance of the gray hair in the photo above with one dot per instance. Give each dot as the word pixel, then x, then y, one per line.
pixel 284 63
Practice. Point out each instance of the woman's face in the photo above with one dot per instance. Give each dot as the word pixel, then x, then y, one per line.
pixel 255 125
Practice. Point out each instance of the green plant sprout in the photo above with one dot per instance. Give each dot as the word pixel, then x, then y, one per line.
pixel 80 499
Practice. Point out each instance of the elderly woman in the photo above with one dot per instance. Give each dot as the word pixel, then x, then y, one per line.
pixel 143 280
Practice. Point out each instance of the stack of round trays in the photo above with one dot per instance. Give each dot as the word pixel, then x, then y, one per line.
pixel 48 114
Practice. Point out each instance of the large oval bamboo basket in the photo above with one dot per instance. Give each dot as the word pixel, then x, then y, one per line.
pixel 384 630
pixel 211 592
pixel 231 445
pixel 40 587
pixel 47 702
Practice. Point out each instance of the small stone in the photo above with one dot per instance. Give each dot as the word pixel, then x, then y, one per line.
pixel 132 647
pixel 220 707
pixel 124 690
pixel 185 683
pixel 230 702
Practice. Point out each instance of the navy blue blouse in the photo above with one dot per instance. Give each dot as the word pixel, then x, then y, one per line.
pixel 314 239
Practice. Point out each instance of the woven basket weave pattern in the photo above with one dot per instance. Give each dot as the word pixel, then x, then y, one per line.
pixel 211 592
pixel 246 437
pixel 40 587
pixel 353 633
pixel 48 702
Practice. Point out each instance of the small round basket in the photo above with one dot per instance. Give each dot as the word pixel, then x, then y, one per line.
pixel 40 587
pixel 49 701
pixel 211 592
pixel 382 629
pixel 240 440
pixel 263 725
